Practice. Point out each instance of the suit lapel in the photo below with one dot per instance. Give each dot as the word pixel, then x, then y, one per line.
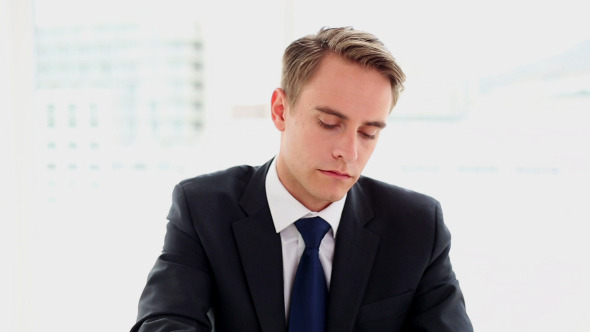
pixel 353 259
pixel 261 255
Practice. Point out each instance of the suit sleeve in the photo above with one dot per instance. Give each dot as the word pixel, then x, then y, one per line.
pixel 438 304
pixel 177 296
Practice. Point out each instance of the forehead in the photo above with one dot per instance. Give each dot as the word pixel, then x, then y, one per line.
pixel 349 88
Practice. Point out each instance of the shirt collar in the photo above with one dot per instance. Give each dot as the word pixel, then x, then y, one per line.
pixel 285 209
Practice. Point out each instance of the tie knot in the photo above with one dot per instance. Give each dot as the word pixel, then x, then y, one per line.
pixel 312 230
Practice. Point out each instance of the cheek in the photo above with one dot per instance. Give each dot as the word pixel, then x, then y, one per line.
pixel 366 150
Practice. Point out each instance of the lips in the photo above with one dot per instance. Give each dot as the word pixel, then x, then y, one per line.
pixel 336 174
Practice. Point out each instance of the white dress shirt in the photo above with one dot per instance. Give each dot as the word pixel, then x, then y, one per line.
pixel 285 210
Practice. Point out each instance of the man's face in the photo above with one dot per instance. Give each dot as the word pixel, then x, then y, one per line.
pixel 330 133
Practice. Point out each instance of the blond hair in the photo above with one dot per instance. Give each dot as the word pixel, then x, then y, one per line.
pixel 302 58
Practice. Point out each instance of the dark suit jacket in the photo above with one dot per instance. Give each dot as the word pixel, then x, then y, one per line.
pixel 221 265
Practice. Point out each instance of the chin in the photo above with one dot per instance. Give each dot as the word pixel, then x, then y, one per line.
pixel 331 197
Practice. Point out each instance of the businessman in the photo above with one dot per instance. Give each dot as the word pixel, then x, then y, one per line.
pixel 305 243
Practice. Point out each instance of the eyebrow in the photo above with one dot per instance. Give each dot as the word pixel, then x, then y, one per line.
pixel 330 111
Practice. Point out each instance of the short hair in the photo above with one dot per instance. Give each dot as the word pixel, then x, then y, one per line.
pixel 302 58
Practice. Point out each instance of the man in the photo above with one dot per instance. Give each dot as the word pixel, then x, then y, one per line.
pixel 237 240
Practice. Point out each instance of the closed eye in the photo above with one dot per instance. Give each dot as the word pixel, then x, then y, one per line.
pixel 368 136
pixel 326 125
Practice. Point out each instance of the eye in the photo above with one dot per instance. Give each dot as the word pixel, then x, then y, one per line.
pixel 369 133
pixel 368 136
pixel 327 125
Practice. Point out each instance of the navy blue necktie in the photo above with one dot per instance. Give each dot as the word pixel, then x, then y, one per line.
pixel 310 290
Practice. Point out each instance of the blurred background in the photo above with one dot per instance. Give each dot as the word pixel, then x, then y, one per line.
pixel 106 105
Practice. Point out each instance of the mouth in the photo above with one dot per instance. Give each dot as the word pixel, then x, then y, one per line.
pixel 336 174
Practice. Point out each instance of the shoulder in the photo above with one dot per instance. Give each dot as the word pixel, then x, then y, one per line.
pixel 227 177
pixel 228 183
pixel 382 192
pixel 392 202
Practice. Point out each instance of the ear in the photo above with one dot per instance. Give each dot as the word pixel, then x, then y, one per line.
pixel 278 108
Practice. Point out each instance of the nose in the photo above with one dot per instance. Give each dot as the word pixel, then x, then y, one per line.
pixel 346 148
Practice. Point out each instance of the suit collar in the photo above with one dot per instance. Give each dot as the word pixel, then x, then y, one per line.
pixel 254 197
pixel 354 255
pixel 260 252
pixel 261 255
